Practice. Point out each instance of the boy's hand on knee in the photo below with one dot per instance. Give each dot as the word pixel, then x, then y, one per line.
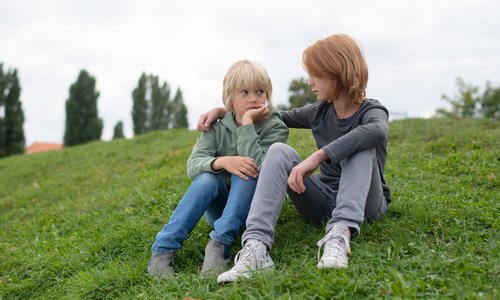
pixel 304 170
pixel 297 176
pixel 238 165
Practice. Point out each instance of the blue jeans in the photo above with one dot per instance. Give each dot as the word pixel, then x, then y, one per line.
pixel 225 208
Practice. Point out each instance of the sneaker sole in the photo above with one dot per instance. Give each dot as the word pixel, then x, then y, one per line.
pixel 235 276
pixel 322 265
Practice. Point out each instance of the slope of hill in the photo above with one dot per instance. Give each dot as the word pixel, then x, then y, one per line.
pixel 79 223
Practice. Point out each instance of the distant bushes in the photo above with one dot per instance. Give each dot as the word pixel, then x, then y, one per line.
pixel 471 103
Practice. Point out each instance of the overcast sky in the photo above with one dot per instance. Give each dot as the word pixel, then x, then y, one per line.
pixel 415 50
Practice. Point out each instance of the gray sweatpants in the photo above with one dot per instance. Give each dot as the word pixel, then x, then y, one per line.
pixel 359 196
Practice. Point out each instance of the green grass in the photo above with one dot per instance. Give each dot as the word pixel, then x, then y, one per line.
pixel 79 223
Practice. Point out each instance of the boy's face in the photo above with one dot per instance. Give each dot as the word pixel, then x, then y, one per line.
pixel 319 86
pixel 247 99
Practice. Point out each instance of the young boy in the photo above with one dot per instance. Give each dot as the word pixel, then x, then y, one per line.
pixel 224 165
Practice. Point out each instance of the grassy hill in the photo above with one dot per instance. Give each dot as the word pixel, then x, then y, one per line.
pixel 79 223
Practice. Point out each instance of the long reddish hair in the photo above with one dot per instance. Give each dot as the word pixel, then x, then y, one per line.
pixel 339 58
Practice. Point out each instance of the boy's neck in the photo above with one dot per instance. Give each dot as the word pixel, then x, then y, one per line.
pixel 238 120
pixel 345 108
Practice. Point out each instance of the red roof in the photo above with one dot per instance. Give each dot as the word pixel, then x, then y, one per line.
pixel 42 147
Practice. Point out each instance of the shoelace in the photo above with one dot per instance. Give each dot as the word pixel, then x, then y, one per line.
pixel 333 247
pixel 245 254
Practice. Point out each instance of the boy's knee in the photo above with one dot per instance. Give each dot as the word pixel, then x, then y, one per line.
pixel 279 149
pixel 207 179
pixel 243 186
pixel 281 155
pixel 362 158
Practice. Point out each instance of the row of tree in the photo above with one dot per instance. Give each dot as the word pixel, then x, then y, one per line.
pixel 153 109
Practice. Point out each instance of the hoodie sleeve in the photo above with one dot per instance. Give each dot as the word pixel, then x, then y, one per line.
pixel 373 130
pixel 255 145
pixel 203 154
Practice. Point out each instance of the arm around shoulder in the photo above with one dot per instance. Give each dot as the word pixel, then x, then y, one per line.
pixel 206 119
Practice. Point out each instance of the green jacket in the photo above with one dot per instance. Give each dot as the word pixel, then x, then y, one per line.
pixel 226 139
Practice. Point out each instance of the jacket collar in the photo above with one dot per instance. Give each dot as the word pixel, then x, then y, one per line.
pixel 228 122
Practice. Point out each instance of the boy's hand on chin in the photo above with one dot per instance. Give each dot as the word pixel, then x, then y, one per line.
pixel 255 115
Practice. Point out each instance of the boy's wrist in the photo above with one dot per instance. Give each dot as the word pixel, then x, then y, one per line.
pixel 246 120
pixel 217 164
pixel 319 156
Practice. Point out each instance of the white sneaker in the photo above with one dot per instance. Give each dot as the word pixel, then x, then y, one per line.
pixel 336 248
pixel 252 259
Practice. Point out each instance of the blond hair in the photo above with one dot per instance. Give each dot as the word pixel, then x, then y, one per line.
pixel 339 58
pixel 245 74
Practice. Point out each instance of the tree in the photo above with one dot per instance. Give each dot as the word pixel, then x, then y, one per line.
pixel 179 111
pixel 301 93
pixel 152 108
pixel 463 105
pixel 160 100
pixel 118 131
pixel 12 139
pixel 490 103
pixel 140 108
pixel 470 103
pixel 82 121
